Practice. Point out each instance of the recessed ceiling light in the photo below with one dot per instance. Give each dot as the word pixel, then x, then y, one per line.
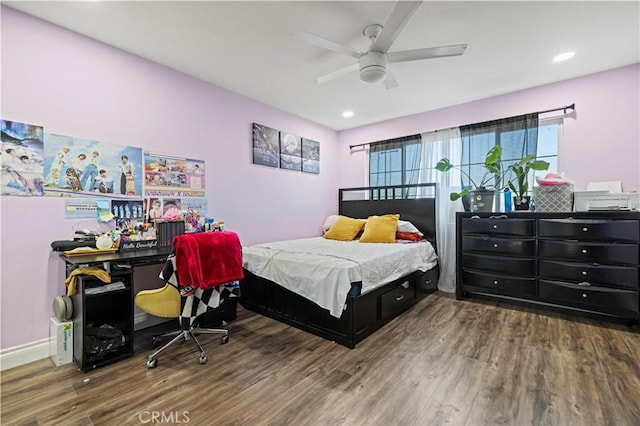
pixel 563 56
pixel 347 114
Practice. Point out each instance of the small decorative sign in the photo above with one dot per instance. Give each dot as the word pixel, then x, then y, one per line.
pixel 138 245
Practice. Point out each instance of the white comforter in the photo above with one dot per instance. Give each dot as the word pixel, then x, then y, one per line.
pixel 322 270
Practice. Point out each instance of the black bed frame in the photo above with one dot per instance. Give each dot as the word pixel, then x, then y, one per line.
pixel 366 313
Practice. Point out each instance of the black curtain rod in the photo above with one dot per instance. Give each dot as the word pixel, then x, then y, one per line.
pixel 564 109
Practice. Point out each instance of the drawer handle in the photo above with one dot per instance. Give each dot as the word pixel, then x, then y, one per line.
pixel 399 298
pixel 585 229
pixel 584 272
pixel 584 295
pixel 405 284
pixel 495 226
pixel 495 245
pixel 495 282
pixel 584 251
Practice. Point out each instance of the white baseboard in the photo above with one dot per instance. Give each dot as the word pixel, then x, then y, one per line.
pixel 24 354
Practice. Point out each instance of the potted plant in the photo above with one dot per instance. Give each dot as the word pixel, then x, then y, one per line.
pixel 519 185
pixel 483 191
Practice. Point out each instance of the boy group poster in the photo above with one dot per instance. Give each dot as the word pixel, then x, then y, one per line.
pixel 35 163
pixel 81 167
pixel 21 159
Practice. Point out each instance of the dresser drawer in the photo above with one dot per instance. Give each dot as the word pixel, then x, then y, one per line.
pixel 519 227
pixel 500 284
pixel 588 229
pixel 513 246
pixel 397 300
pixel 617 302
pixel 618 276
pixel 505 265
pixel 617 253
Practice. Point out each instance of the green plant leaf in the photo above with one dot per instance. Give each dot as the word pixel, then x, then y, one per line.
pixel 539 165
pixel 526 159
pixel 493 156
pixel 492 168
pixel 444 165
pixel 457 195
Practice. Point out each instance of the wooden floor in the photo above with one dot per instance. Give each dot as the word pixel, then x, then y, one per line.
pixel 443 362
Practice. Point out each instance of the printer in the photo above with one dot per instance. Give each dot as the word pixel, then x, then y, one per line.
pixel 603 196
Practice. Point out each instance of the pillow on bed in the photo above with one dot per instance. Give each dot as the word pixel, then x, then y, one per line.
pixel 406 226
pixel 409 236
pixel 344 229
pixel 380 229
pixel 328 222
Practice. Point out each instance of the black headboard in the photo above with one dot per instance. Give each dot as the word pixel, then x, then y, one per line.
pixel 415 203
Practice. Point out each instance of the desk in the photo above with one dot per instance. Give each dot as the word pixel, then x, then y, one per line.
pixel 133 258
pixel 93 309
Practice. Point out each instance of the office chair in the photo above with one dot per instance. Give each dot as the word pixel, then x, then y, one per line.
pixel 215 261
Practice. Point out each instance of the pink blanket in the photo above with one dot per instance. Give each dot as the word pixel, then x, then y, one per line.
pixel 207 259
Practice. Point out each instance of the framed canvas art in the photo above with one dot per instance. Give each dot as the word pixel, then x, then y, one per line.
pixel 290 151
pixel 266 148
pixel 310 156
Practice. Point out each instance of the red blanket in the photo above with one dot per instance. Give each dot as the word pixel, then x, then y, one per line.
pixel 207 259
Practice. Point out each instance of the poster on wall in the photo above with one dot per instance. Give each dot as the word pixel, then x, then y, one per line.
pixel 154 207
pixel 79 168
pixel 169 176
pixel 290 151
pixel 76 208
pixel 266 146
pixel 21 158
pixel 310 156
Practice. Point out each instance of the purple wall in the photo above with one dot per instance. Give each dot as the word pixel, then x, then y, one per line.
pixel 601 139
pixel 76 86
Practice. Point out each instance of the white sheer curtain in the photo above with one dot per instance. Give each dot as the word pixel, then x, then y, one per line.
pixel 437 145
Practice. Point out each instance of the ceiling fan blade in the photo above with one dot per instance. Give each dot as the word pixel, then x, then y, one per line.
pixel 426 53
pixel 337 73
pixel 326 44
pixel 394 24
pixel 390 81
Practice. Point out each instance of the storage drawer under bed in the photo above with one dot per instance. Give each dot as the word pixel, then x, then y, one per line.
pixel 397 300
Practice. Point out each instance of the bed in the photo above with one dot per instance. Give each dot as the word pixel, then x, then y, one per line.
pixel 367 308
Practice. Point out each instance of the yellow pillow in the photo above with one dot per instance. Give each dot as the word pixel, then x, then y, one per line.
pixel 380 229
pixel 345 229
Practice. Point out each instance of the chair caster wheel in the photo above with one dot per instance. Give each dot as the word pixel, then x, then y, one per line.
pixel 202 359
pixel 156 343
pixel 152 363
pixel 224 339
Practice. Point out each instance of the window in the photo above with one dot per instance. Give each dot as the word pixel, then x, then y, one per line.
pixel 398 161
pixel 395 162
pixel 549 138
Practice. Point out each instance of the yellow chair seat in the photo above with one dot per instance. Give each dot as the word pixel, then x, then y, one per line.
pixel 161 302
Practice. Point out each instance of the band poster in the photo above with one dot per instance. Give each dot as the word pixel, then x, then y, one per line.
pixel 21 159
pixel 169 176
pixel 79 168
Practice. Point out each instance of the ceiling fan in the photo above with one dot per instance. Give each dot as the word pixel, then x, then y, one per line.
pixel 372 64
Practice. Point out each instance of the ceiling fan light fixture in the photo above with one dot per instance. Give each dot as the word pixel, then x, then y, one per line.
pixel 373 67
pixel 373 74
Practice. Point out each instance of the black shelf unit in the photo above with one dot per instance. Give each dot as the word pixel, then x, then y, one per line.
pixel 113 308
pixel 581 261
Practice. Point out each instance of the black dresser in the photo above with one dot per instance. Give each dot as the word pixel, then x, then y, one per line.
pixel 582 261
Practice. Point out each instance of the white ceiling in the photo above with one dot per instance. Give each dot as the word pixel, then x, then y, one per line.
pixel 247 47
